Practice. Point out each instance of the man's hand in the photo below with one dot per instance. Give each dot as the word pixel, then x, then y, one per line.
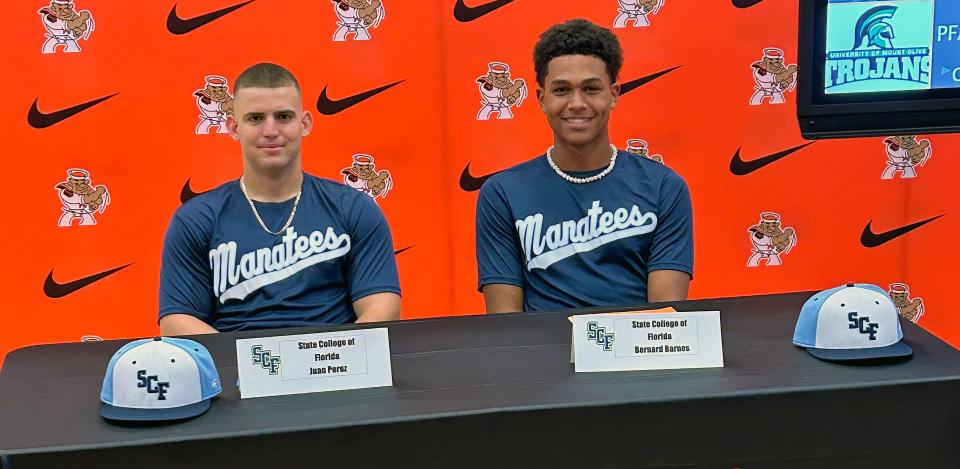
pixel 503 298
pixel 184 324
pixel 384 306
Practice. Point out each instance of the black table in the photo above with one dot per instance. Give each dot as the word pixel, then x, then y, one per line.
pixel 499 391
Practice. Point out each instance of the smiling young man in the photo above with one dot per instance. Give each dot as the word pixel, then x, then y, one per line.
pixel 276 247
pixel 585 224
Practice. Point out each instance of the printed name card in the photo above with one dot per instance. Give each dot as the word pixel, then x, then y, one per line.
pixel 331 361
pixel 646 341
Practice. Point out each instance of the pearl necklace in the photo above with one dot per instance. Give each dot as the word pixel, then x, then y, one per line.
pixel 576 180
pixel 257 214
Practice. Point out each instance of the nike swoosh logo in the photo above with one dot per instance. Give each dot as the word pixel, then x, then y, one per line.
pixel 741 168
pixel 465 14
pixel 745 3
pixel 869 239
pixel 398 251
pixel 54 289
pixel 186 193
pixel 42 120
pixel 177 25
pixel 634 84
pixel 329 107
pixel 470 183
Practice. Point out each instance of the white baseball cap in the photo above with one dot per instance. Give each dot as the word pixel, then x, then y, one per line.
pixel 851 322
pixel 159 379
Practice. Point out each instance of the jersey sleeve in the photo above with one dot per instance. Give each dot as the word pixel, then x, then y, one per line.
pixel 373 266
pixel 185 278
pixel 499 258
pixel 672 245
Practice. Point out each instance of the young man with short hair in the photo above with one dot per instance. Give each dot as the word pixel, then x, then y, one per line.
pixel 277 247
pixel 585 224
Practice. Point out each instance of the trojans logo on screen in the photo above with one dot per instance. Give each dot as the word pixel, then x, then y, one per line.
pixel 356 17
pixel 636 11
pixel 65 26
pixel 215 104
pixel 499 92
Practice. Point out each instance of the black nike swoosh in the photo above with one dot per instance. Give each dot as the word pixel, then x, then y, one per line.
pixel 398 251
pixel 465 14
pixel 329 107
pixel 186 193
pixel 633 84
pixel 745 3
pixel 742 168
pixel 869 239
pixel 177 25
pixel 41 120
pixel 53 289
pixel 470 183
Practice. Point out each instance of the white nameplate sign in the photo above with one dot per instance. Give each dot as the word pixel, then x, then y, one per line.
pixel 331 361
pixel 646 341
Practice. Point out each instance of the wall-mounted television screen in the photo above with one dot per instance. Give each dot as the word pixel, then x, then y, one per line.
pixel 870 67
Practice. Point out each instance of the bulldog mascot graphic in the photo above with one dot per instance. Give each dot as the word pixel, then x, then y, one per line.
pixel 904 155
pixel 65 26
pixel 356 17
pixel 215 105
pixel 499 92
pixel 911 310
pixel 639 147
pixel 769 241
pixel 364 177
pixel 772 78
pixel 79 199
pixel 636 11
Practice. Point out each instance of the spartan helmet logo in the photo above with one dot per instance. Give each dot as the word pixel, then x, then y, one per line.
pixel 873 30
pixel 65 26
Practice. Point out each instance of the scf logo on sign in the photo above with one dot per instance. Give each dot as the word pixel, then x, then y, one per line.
pixel 600 336
pixel 265 358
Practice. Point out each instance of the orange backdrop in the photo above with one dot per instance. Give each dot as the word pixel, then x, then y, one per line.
pixel 142 145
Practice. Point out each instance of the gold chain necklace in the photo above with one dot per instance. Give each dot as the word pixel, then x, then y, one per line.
pixel 257 214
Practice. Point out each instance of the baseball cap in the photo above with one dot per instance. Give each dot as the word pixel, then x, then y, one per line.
pixel 852 322
pixel 159 379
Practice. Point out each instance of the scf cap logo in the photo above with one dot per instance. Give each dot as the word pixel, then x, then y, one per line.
pixel 499 92
pixel 65 26
pixel 364 177
pixel 904 155
pixel 356 17
pixel 772 78
pixel 79 199
pixel 215 104
pixel 769 240
pixel 636 11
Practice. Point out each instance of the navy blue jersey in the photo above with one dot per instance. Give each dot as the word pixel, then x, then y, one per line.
pixel 578 245
pixel 221 266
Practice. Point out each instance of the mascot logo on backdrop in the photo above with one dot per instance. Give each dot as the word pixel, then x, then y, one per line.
pixel 769 240
pixel 772 78
pixel 356 17
pixel 639 147
pixel 215 103
pixel 871 61
pixel 636 11
pixel 499 92
pixel 911 310
pixel 364 177
pixel 904 155
pixel 65 26
pixel 79 199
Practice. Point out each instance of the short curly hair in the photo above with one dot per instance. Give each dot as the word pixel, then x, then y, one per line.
pixel 577 37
